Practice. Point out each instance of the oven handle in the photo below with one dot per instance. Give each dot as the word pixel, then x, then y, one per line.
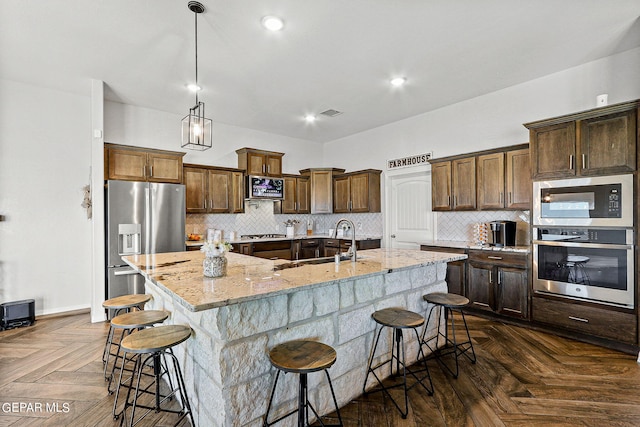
pixel 581 245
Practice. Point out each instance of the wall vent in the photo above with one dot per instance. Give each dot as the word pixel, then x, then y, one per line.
pixel 331 113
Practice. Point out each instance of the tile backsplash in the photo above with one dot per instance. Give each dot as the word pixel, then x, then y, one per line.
pixel 458 226
pixel 259 218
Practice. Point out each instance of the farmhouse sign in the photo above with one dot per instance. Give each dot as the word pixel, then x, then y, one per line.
pixel 409 161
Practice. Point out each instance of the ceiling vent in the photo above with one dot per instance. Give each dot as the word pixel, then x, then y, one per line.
pixel 331 113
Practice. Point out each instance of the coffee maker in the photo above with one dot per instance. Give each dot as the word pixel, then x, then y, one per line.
pixel 503 233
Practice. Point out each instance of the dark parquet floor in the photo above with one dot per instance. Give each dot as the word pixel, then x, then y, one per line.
pixel 522 378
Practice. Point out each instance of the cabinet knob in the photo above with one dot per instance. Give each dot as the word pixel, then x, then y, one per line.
pixel 393 236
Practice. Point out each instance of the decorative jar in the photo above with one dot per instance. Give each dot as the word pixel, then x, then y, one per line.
pixel 215 266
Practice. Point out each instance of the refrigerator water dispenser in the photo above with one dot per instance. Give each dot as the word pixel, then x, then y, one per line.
pixel 129 238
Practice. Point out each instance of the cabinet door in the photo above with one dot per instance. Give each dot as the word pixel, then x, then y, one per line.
pixel 219 184
pixel 256 164
pixel 480 286
pixel 273 165
pixel 341 194
pixel 456 277
pixel 237 192
pixel 195 181
pixel 359 195
pixel 321 192
pixel 554 149
pixel 441 186
pixel 164 168
pixel 289 203
pixel 128 165
pixel 608 144
pixel 518 180
pixel 303 195
pixel 512 292
pixel 490 171
pixel 463 172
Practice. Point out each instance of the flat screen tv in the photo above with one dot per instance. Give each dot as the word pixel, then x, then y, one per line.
pixel 264 187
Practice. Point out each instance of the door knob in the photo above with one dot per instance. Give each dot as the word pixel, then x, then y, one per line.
pixel 393 236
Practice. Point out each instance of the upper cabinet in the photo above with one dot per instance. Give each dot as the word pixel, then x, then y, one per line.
pixel 601 141
pixel 128 163
pixel 213 190
pixel 260 162
pixel 321 188
pixel 487 180
pixel 357 192
pixel 296 195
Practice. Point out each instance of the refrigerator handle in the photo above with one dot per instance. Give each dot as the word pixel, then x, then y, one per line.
pixel 125 273
pixel 147 221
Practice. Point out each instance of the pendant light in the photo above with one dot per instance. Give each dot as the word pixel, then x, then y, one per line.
pixel 197 130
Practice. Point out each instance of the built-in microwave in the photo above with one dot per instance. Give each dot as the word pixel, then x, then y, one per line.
pixel 605 201
pixel 265 187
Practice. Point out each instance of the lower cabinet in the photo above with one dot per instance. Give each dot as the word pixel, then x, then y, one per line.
pixel 498 282
pixel 592 320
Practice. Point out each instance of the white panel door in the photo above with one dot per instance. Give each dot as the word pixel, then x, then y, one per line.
pixel 411 218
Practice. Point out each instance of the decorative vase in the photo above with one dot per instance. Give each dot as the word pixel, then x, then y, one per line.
pixel 215 266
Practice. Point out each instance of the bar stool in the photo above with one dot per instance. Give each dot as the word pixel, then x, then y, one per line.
pixel 450 303
pixel 128 323
pixel 153 346
pixel 398 319
pixel 302 357
pixel 122 303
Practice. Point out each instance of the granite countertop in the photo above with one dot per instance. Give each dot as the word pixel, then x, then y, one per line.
pixel 296 237
pixel 249 278
pixel 473 245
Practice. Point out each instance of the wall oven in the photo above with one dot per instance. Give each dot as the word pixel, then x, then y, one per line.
pixel 592 264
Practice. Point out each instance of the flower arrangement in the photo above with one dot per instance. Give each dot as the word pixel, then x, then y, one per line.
pixel 215 248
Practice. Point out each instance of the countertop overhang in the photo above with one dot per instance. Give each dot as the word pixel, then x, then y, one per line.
pixel 249 278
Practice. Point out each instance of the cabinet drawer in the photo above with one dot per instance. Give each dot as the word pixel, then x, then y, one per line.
pixel 332 243
pixel 308 243
pixel 499 257
pixel 590 320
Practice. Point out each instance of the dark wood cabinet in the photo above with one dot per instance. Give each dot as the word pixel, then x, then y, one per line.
pixel 357 192
pixel 441 186
pixel 213 190
pixel 321 188
pixel 275 249
pixel 128 163
pixel 260 162
pixel 518 179
pixel 601 141
pixel 588 319
pixel 490 181
pixel 463 182
pixel 336 246
pixel 310 248
pixel 296 195
pixel 498 282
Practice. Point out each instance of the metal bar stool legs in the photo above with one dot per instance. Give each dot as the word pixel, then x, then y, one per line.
pixel 398 319
pixel 448 303
pixel 153 348
pixel 302 357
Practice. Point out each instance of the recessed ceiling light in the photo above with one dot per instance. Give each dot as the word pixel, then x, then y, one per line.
pixel 398 81
pixel 310 118
pixel 272 23
pixel 193 87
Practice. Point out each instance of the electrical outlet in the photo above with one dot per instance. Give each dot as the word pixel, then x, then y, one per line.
pixel 277 227
pixel 360 226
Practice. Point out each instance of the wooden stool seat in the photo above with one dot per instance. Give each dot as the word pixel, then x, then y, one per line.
pixel 139 319
pixel 156 339
pixel 126 301
pixel 446 300
pixel 302 356
pixel 398 318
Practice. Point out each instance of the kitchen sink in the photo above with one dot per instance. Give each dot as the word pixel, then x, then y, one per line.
pixel 312 261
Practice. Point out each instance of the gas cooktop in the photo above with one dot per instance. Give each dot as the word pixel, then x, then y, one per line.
pixel 262 236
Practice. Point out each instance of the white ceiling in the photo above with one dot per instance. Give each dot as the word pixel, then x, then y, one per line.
pixel 335 54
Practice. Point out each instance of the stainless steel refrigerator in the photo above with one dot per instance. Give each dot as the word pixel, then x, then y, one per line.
pixel 141 218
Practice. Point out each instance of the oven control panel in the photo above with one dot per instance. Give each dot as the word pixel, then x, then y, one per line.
pixel 614 236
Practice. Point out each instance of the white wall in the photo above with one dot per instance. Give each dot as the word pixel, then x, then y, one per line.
pixel 492 120
pixel 143 127
pixel 45 156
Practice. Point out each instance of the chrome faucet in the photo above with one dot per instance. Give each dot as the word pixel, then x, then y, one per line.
pixel 352 250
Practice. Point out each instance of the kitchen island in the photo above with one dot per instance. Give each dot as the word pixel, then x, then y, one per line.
pixel 261 303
